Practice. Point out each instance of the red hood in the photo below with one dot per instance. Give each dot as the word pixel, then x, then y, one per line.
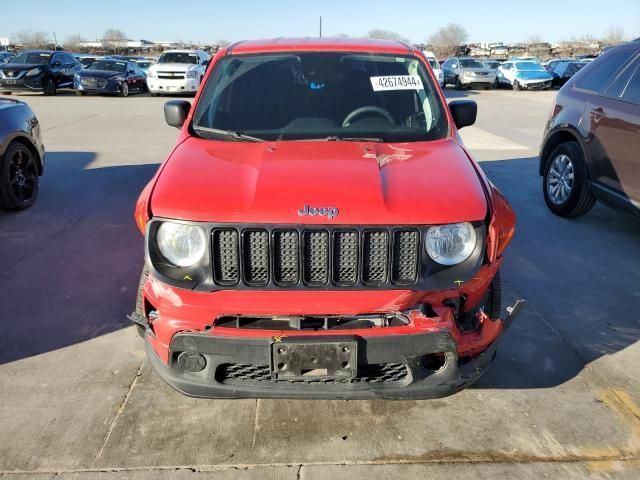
pixel 369 183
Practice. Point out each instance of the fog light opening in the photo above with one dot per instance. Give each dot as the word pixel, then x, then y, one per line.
pixel 434 362
pixel 191 362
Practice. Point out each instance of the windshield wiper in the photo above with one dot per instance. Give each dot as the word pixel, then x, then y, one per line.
pixel 334 138
pixel 227 133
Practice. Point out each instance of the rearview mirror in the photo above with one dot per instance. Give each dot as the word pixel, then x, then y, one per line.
pixel 464 112
pixel 176 112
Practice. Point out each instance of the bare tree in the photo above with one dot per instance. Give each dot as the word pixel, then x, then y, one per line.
pixel 223 43
pixel 114 39
pixel 534 38
pixel 31 39
pixel 386 35
pixel 614 34
pixel 447 39
pixel 74 42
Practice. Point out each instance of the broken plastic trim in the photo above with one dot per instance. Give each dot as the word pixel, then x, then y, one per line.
pixel 316 322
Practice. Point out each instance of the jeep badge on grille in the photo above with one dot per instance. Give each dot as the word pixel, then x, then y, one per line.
pixel 329 212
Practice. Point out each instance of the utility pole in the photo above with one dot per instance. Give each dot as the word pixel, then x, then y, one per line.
pixel 320 26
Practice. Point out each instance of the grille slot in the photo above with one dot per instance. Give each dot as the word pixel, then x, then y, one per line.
pixel 375 257
pixel 286 253
pixel 292 256
pixel 405 256
pixel 345 258
pixel 256 257
pixel 316 255
pixel 226 261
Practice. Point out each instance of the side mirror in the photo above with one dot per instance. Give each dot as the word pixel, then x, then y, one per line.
pixel 464 112
pixel 176 112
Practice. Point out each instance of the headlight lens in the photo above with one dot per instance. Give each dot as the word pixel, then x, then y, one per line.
pixel 192 74
pixel 33 72
pixel 467 74
pixel 151 74
pixel 451 244
pixel 182 245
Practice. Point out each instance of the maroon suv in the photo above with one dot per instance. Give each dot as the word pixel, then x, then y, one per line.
pixel 591 148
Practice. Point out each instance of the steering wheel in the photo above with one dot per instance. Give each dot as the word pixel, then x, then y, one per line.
pixel 367 109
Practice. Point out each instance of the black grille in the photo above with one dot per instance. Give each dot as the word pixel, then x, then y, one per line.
pixel 261 257
pixel 247 373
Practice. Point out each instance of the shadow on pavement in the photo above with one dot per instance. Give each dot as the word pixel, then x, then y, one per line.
pixel 578 276
pixel 451 93
pixel 69 265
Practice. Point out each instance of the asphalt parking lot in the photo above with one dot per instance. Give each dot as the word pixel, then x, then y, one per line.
pixel 78 400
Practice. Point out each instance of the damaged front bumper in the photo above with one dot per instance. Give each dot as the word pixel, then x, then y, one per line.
pixel 399 366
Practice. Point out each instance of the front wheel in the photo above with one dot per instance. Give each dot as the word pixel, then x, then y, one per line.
pixel 18 178
pixel 566 181
pixel 49 87
pixel 459 85
pixel 124 90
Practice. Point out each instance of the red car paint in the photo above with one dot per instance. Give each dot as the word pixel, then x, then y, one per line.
pixel 413 183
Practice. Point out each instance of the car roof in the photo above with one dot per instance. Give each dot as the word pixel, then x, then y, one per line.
pixel 320 45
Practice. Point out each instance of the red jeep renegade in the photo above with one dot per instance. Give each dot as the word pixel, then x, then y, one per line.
pixel 320 231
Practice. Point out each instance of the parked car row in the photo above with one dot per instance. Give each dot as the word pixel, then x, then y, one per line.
pixel 176 72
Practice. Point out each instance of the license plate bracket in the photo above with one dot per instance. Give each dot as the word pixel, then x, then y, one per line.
pixel 302 358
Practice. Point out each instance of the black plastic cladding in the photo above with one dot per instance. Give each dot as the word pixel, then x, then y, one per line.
pixel 430 275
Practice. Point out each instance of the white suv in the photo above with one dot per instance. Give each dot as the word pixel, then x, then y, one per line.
pixel 177 71
pixel 433 61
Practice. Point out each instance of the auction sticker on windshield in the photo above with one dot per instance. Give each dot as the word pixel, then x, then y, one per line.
pixel 396 82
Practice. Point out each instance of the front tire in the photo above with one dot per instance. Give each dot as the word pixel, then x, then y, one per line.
pixel 18 178
pixel 565 183
pixel 516 85
pixel 49 87
pixel 124 90
pixel 459 85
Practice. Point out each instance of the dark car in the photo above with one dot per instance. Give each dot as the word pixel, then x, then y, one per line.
pixel 39 71
pixel 592 140
pixel 5 57
pixel 21 155
pixel 110 76
pixel 563 71
pixel 551 64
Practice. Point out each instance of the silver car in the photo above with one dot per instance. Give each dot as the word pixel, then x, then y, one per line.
pixel 468 73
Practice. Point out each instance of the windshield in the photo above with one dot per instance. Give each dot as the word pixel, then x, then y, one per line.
pixel 178 57
pixel 529 66
pixel 466 63
pixel 320 95
pixel 144 64
pixel 109 65
pixel 32 58
pixel 434 63
pixel 493 65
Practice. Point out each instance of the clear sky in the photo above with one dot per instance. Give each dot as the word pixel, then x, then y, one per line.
pixel 209 21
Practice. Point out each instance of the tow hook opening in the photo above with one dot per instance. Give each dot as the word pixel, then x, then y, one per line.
pixel 434 362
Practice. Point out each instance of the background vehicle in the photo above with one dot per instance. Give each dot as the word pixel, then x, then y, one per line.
pixel 563 71
pixel 39 70
pixel 468 72
pixel 145 64
pixel 521 75
pixel 21 155
pixel 552 63
pixel 492 64
pixel 177 71
pixel 5 57
pixel 371 242
pixel 435 65
pixel 110 76
pixel 86 60
pixel 592 139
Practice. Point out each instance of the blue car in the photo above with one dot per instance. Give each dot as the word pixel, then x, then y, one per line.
pixel 110 76
pixel 524 75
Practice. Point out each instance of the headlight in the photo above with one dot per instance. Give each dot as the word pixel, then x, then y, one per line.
pixel 34 72
pixel 182 245
pixel 192 74
pixel 467 74
pixel 451 244
pixel 151 74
